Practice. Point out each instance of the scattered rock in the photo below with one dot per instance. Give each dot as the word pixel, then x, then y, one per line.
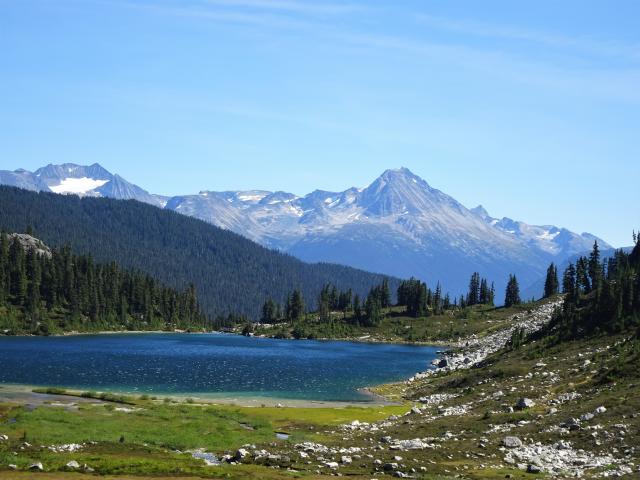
pixel 586 417
pixel 533 468
pixel 511 442
pixel 524 403
pixel 240 455
pixel 390 467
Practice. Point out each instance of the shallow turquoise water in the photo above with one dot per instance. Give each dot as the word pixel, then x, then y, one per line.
pixel 209 364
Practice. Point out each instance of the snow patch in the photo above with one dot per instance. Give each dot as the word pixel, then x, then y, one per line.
pixel 77 185
pixel 251 198
pixel 548 235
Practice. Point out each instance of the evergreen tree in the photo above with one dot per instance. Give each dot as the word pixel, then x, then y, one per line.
pixel 551 282
pixel 595 268
pixel 385 294
pixel 473 296
pixel 373 310
pixel 414 295
pixel 512 294
pixel 583 284
pixel 569 282
pixel 357 308
pixel 270 312
pixel 295 306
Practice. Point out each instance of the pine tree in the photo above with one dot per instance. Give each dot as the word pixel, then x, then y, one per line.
pixel 373 310
pixel 269 312
pixel 473 296
pixel 324 303
pixel 551 282
pixel 512 294
pixel 357 308
pixel 296 306
pixel 595 268
pixel 437 300
pixel 583 284
pixel 385 299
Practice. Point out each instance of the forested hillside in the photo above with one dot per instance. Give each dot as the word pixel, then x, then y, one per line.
pixel 601 296
pixel 231 274
pixel 46 291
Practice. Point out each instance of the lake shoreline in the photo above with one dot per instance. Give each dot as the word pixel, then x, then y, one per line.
pixel 25 394
pixel 433 343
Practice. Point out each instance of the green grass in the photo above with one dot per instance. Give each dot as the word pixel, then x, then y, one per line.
pixel 144 441
pixel 396 326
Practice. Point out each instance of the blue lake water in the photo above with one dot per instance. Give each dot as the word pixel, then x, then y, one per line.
pixel 209 364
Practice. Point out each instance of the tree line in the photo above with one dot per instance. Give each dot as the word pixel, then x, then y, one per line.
pixel 44 291
pixel 414 295
pixel 601 296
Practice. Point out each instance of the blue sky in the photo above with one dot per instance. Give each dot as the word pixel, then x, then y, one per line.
pixel 530 108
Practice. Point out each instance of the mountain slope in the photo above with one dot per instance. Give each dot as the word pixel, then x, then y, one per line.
pixel 231 273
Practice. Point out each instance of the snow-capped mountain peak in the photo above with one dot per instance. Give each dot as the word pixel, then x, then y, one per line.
pixel 70 178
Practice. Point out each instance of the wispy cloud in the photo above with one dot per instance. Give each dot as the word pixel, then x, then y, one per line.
pixel 290 6
pixel 588 45
pixel 596 79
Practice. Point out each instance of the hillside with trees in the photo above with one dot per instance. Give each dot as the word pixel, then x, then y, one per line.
pixel 231 274
pixel 45 291
pixel 601 296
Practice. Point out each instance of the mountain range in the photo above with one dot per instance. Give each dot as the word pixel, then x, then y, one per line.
pixel 231 274
pixel 398 225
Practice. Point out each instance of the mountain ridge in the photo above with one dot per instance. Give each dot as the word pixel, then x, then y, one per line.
pixel 398 225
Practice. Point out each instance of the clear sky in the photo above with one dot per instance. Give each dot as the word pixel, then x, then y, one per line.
pixel 531 108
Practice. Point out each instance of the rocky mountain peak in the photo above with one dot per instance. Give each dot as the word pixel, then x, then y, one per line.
pixel 481 212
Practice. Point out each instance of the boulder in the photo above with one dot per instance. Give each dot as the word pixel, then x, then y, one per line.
pixel 72 465
pixel 586 417
pixel 524 403
pixel 600 410
pixel 240 454
pixel 36 467
pixel 511 442
pixel 533 468
pixel 332 465
pixel 390 467
pixel 346 460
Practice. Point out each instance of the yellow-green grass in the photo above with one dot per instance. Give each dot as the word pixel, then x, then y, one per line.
pixel 147 440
